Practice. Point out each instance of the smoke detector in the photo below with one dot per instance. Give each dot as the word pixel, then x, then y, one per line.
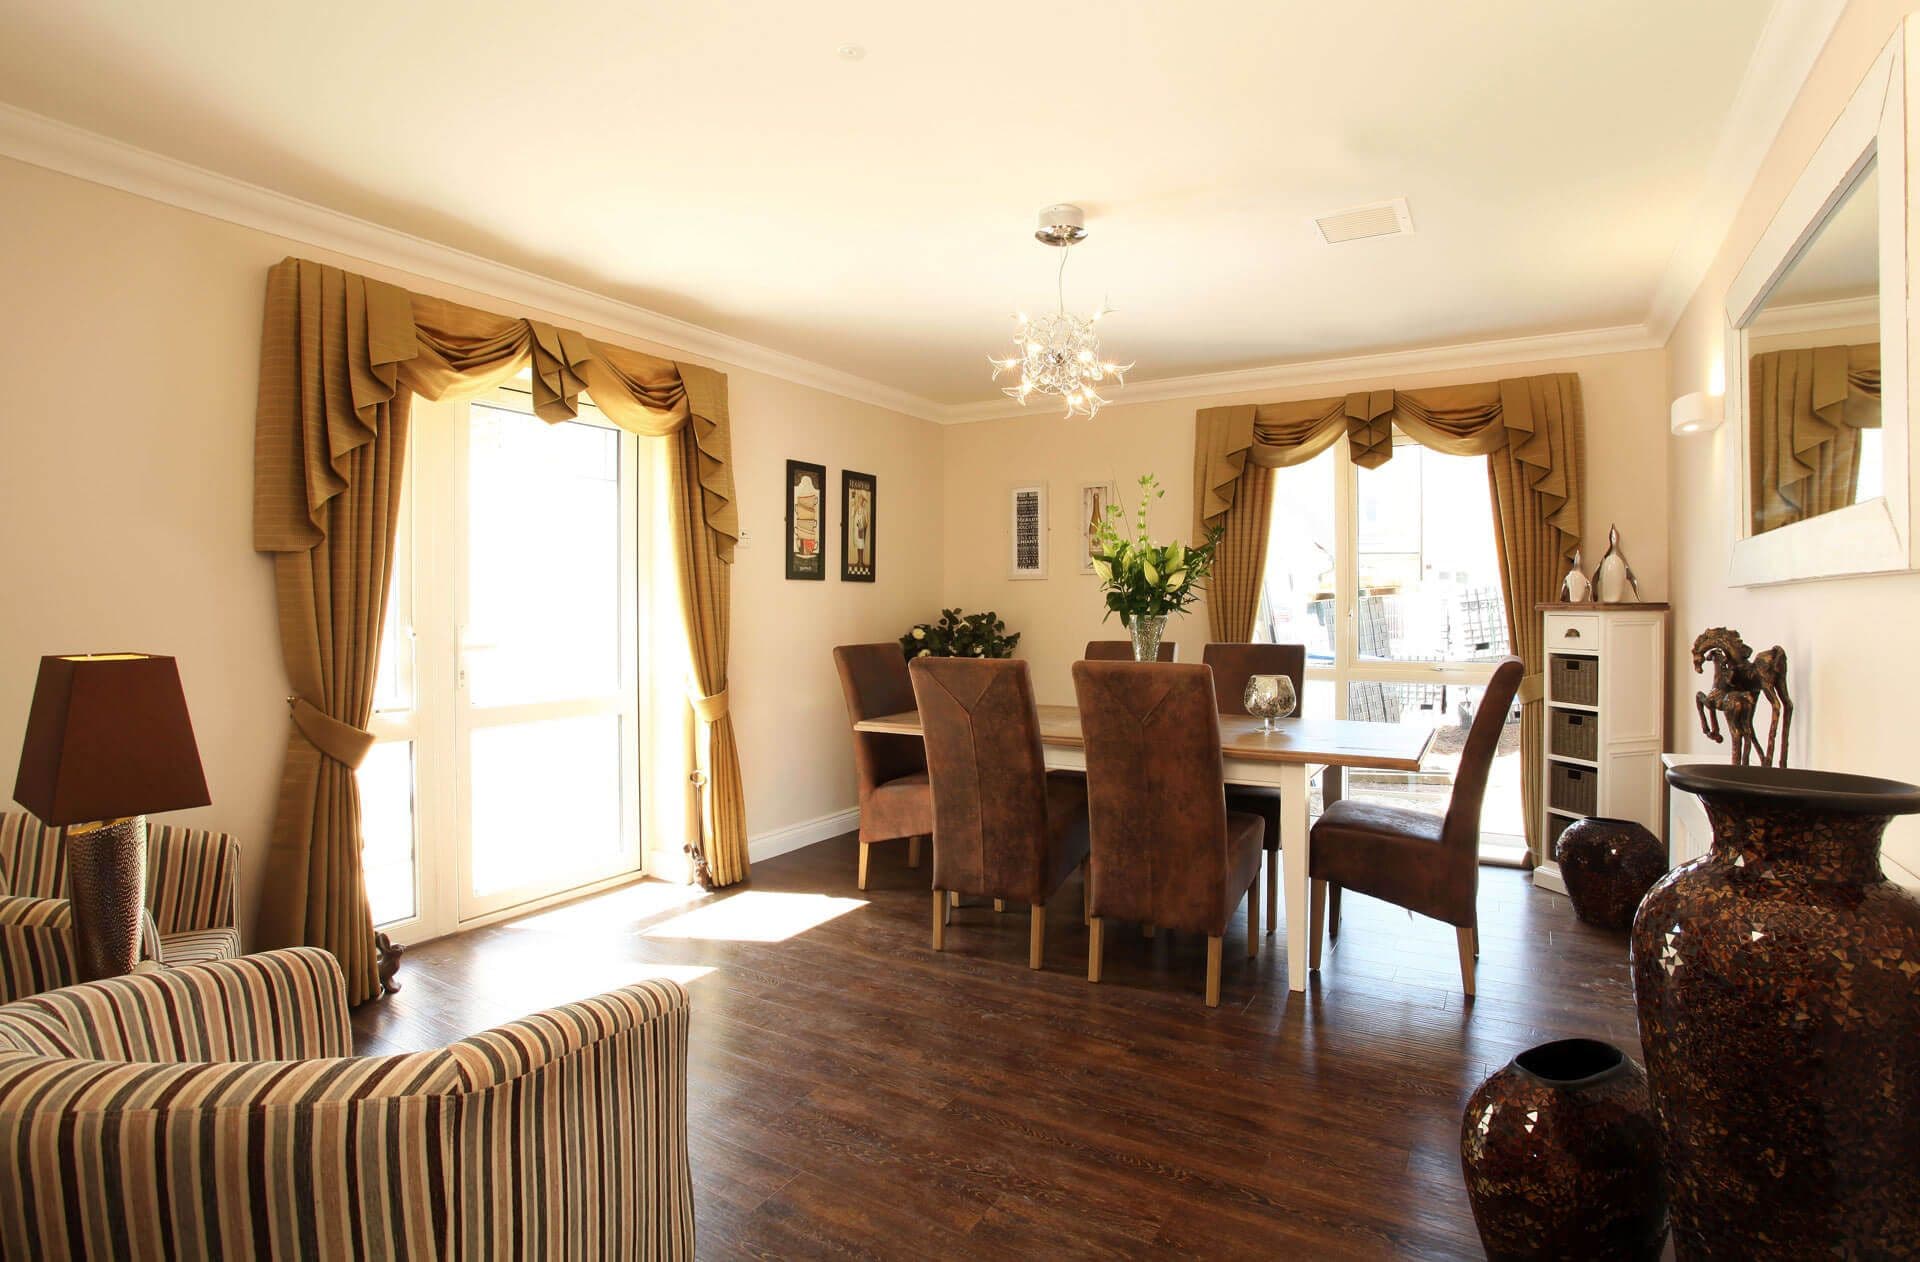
pixel 1380 219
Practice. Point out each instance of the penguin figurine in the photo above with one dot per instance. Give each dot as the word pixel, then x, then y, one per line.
pixel 1574 588
pixel 1613 580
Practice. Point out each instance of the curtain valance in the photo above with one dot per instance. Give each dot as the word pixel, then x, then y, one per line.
pixel 1537 417
pixel 338 346
pixel 1808 406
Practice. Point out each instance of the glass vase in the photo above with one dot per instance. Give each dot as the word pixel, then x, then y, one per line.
pixel 1147 629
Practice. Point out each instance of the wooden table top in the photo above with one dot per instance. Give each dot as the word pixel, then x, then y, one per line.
pixel 1340 742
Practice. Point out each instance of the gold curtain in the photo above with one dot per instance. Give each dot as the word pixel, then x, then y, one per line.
pixel 706 602
pixel 1532 431
pixel 1532 482
pixel 341 357
pixel 1808 406
pixel 1233 594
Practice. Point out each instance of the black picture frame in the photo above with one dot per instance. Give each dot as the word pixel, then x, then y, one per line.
pixel 806 481
pixel 859 526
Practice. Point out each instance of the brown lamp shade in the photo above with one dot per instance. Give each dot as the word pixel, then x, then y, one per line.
pixel 108 736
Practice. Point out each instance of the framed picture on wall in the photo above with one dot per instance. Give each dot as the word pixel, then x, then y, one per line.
pixel 857 525
pixel 1094 499
pixel 806 518
pixel 1028 531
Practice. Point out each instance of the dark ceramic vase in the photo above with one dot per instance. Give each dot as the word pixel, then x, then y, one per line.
pixel 1562 1157
pixel 1778 986
pixel 1609 865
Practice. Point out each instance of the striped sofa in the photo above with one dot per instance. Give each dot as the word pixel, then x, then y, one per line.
pixel 213 1110
pixel 191 875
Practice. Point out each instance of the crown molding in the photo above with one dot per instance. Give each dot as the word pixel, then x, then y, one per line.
pixel 1790 42
pixel 1812 317
pixel 45 142
pixel 1508 350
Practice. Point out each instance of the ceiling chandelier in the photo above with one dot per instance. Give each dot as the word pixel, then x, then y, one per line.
pixel 1059 354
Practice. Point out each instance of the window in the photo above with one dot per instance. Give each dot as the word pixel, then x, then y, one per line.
pixel 1391 578
pixel 507 705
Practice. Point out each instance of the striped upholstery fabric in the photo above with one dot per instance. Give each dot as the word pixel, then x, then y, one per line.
pixel 191 875
pixel 211 1110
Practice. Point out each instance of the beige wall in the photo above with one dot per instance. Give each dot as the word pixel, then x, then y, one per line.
pixel 129 339
pixel 1626 413
pixel 1855 704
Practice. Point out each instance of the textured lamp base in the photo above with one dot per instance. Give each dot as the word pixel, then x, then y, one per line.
pixel 107 881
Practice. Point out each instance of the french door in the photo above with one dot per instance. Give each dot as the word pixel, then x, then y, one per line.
pixel 507 769
pixel 1391 578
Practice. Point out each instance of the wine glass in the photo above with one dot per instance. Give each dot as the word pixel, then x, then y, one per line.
pixel 1269 697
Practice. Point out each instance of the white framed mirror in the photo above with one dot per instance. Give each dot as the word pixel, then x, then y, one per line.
pixel 1816 346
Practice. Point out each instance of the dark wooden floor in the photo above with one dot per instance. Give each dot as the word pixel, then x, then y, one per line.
pixel 854 1093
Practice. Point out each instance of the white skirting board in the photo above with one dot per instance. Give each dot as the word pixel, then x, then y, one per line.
pixel 1547 877
pixel 805 833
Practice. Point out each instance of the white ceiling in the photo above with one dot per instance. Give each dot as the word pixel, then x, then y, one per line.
pixel 719 163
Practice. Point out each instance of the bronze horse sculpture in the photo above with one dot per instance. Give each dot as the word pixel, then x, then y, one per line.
pixel 1740 678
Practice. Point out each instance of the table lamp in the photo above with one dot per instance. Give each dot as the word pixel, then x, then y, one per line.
pixel 108 740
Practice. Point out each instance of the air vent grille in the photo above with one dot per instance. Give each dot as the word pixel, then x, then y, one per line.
pixel 1382 219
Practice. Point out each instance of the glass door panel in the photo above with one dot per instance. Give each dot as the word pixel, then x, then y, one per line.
pixel 1427 563
pixel 548 699
pixel 1297 599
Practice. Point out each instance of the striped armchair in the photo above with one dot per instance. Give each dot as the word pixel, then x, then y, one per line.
pixel 249 1131
pixel 191 875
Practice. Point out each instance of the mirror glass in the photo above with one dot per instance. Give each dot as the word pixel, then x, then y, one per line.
pixel 1813 372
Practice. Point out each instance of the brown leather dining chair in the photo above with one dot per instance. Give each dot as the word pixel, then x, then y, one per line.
pixel 1003 828
pixel 895 801
pixel 1426 863
pixel 1122 651
pixel 1165 850
pixel 1233 665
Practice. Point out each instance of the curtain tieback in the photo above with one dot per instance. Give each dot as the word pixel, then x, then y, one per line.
pixel 342 742
pixel 1532 688
pixel 709 709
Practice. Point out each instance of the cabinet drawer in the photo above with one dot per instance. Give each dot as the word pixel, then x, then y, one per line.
pixel 1578 632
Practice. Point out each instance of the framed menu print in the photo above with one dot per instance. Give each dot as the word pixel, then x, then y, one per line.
pixel 1094 500
pixel 1028 529
pixel 806 512
pixel 857 525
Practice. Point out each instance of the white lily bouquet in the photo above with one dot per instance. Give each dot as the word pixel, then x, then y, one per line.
pixel 1143 579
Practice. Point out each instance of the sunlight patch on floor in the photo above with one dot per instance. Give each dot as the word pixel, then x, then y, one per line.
pixel 615 910
pixel 757 916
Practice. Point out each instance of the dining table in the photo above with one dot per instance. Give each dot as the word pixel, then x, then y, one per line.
pixel 1282 759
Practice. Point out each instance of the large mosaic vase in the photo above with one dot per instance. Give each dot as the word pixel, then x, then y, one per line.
pixel 1778 987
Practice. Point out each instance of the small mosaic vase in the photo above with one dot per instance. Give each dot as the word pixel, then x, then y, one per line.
pixel 1562 1157
pixel 1609 865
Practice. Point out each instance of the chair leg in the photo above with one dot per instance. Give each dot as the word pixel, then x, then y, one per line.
pixel 999 904
pixel 913 852
pixel 1476 942
pixel 864 848
pixel 1253 920
pixel 953 897
pixel 1213 972
pixel 1037 935
pixel 1466 960
pixel 939 921
pixel 1273 889
pixel 1096 939
pixel 1317 922
pixel 1333 923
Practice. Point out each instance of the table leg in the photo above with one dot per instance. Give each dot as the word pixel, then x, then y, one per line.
pixel 1293 855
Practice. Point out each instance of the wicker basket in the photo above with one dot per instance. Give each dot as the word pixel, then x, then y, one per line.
pixel 1574 734
pixel 1575 679
pixel 1573 789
